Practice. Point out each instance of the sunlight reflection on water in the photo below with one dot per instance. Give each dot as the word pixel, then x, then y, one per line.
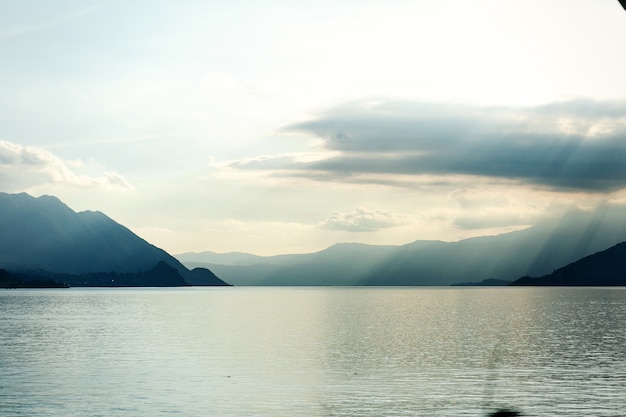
pixel 312 352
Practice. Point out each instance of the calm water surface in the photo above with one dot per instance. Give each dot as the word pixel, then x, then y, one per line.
pixel 366 352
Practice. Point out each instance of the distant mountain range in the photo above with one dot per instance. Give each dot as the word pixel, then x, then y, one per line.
pixel 532 252
pixel 44 243
pixel 43 240
pixel 605 268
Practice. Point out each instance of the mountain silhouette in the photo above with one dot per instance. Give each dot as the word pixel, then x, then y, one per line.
pixel 605 268
pixel 535 251
pixel 44 237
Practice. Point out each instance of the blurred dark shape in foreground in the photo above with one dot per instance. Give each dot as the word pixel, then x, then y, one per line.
pixel 623 3
pixel 506 413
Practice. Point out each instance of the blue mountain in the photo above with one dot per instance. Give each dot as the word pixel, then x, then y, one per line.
pixel 535 251
pixel 605 268
pixel 44 237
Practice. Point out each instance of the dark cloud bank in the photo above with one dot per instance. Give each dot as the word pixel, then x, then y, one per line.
pixel 572 145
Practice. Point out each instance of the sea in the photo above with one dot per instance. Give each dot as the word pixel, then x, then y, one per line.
pixel 313 351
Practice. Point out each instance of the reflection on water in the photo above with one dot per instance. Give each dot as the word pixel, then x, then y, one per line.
pixel 312 352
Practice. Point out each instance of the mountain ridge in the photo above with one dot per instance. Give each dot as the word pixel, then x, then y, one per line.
pixel 44 234
pixel 604 268
pixel 535 251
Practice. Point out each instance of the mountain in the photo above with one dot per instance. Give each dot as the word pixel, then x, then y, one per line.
pixel 21 280
pixel 534 252
pixel 232 258
pixel 606 268
pixel 44 237
pixel 332 266
pixel 162 275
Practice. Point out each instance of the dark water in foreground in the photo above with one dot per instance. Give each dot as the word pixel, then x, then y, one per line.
pixel 366 352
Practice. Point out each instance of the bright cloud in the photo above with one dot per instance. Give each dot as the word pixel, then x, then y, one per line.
pixel 29 166
pixel 364 220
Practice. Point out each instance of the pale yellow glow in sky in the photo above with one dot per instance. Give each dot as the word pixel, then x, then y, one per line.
pixel 153 112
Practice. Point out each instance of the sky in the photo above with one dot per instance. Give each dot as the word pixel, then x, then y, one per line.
pixel 276 127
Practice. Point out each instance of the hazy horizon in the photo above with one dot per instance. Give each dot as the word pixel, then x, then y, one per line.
pixel 275 127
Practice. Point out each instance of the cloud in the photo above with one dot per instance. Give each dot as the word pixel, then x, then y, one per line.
pixel 28 166
pixel 564 146
pixel 363 220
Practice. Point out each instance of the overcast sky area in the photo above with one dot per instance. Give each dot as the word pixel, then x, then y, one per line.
pixel 287 126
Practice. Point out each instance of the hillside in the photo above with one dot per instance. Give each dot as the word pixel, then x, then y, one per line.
pixel 532 252
pixel 43 236
pixel 605 268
